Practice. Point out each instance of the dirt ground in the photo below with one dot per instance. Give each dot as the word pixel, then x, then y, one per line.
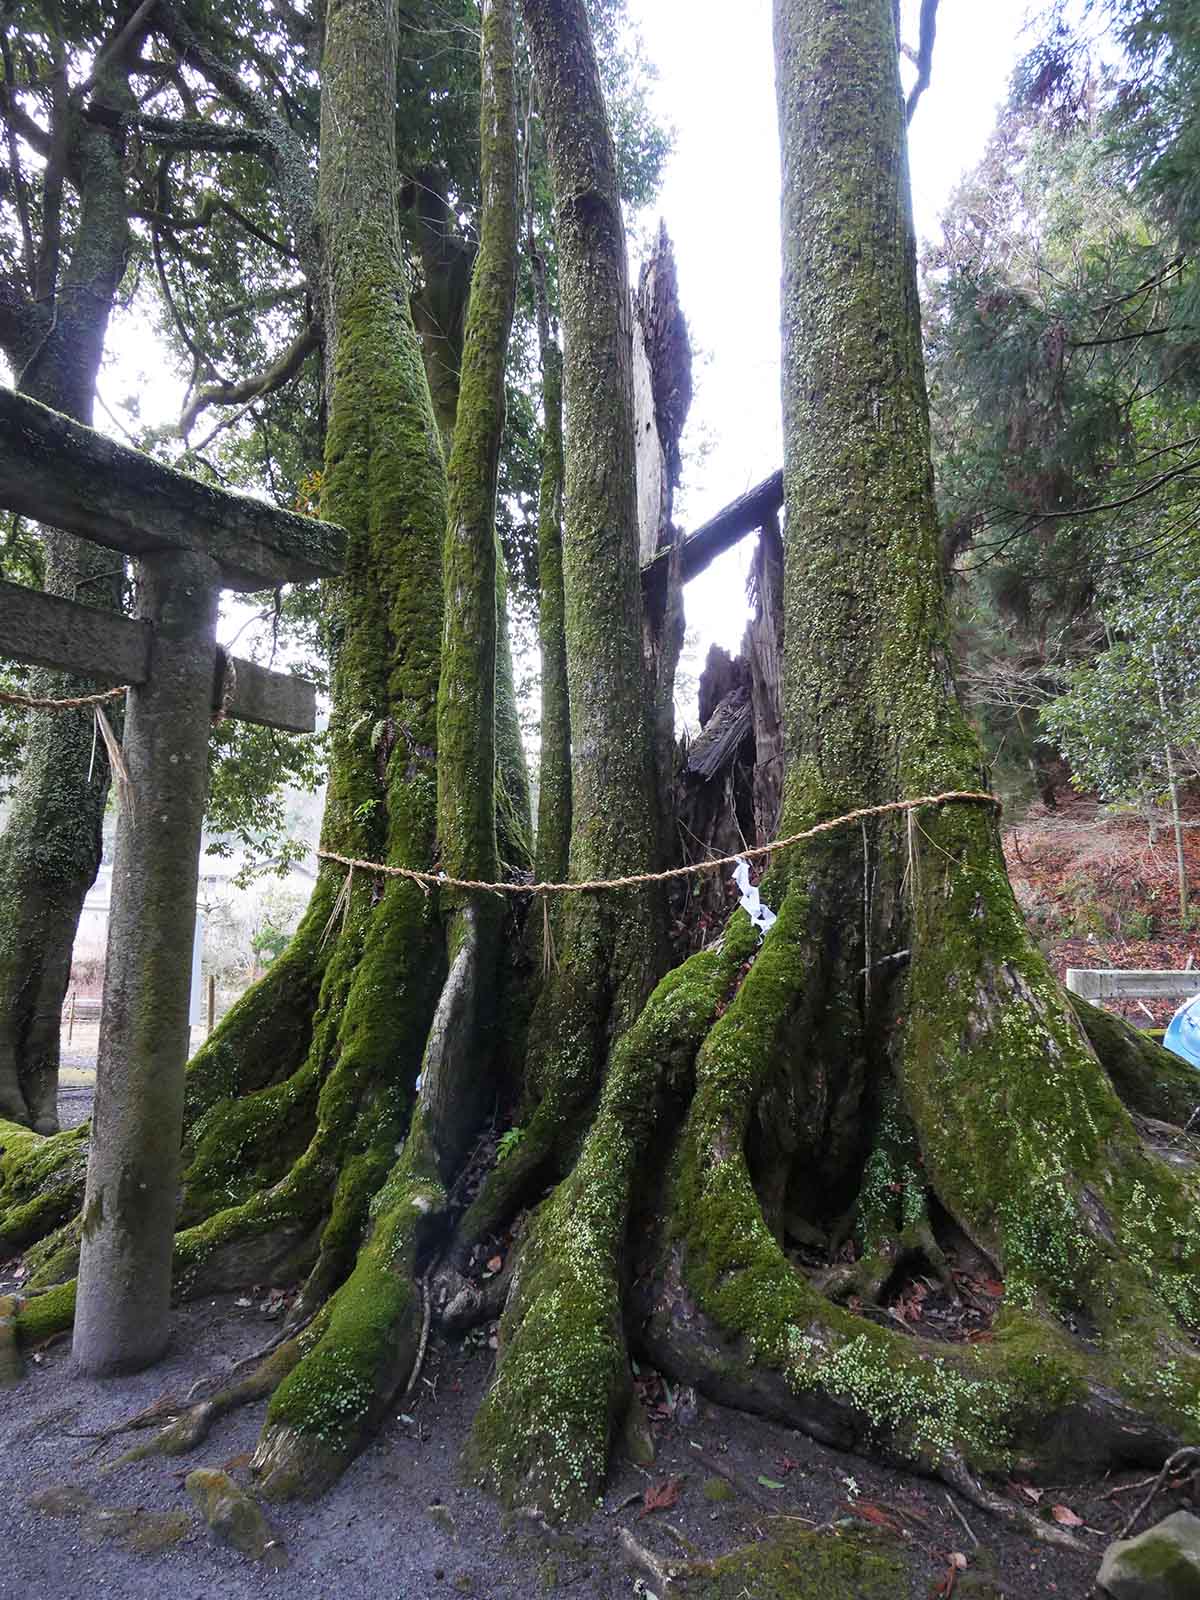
pixel 1098 894
pixel 403 1522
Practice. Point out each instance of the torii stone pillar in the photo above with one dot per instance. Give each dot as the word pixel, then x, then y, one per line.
pixel 121 1311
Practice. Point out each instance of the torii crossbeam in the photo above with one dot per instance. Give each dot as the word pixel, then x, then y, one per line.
pixel 191 541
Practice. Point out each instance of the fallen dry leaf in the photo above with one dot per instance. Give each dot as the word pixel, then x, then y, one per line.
pixel 957 1559
pixel 1067 1517
pixel 661 1496
pixel 872 1514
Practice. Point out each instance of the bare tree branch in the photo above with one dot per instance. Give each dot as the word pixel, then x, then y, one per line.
pixel 22 321
pixel 281 371
pixel 46 273
pixel 129 35
pixel 924 56
pixel 172 224
pixel 19 186
pixel 278 145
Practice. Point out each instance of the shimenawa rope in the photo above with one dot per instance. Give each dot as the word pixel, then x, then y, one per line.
pixel 439 880
pixel 31 703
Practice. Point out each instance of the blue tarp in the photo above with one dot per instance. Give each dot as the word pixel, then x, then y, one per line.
pixel 1182 1038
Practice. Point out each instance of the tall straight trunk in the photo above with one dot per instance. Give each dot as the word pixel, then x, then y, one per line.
pixel 818 1083
pixel 554 771
pixel 610 948
pixel 770 1087
pixel 1173 786
pixel 514 803
pixel 456 1088
pixel 50 849
pixel 371 1325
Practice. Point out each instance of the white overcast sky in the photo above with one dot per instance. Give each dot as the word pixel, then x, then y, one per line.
pixel 721 205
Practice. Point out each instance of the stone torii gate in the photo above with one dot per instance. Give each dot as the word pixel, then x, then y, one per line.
pixel 191 541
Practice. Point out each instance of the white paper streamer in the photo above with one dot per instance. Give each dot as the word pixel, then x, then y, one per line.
pixel 760 915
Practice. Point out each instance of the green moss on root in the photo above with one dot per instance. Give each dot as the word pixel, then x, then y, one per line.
pixel 365 1346
pixel 46 1314
pixel 41 1181
pixel 544 1433
pixel 791 1565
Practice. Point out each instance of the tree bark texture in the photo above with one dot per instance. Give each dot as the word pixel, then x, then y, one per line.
pixel 609 949
pixel 816 1084
pixel 662 368
pixel 554 772
pixel 51 845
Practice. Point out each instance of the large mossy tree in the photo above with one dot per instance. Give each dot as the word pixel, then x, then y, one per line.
pixel 895 1057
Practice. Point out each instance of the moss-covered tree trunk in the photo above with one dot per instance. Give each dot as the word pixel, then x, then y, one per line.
pixel 50 847
pixel 554 770
pixel 896 1061
pixel 330 1113
pixel 892 1067
pixel 609 948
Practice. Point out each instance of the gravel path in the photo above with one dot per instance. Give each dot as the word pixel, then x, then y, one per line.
pixel 403 1525
pixel 74 1103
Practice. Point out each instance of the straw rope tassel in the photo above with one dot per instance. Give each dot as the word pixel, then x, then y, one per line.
pixel 116 759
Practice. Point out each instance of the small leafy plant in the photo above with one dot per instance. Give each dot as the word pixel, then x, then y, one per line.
pixel 509 1140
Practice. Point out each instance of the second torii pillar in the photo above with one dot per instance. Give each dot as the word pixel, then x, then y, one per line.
pixel 123 1305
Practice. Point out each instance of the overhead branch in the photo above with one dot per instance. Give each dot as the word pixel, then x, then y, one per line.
pixel 167 223
pixel 268 300
pixel 20 189
pixel 201 362
pixel 35 136
pixel 278 142
pixel 128 36
pixel 185 133
pixel 22 320
pixel 924 57
pixel 280 371
pixel 46 272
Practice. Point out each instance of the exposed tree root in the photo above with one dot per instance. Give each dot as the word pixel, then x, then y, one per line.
pixel 544 1432
pixel 957 1474
pixel 714 1300
pixel 192 1426
pixel 1147 1078
pixel 1187 1460
pixel 725 1310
